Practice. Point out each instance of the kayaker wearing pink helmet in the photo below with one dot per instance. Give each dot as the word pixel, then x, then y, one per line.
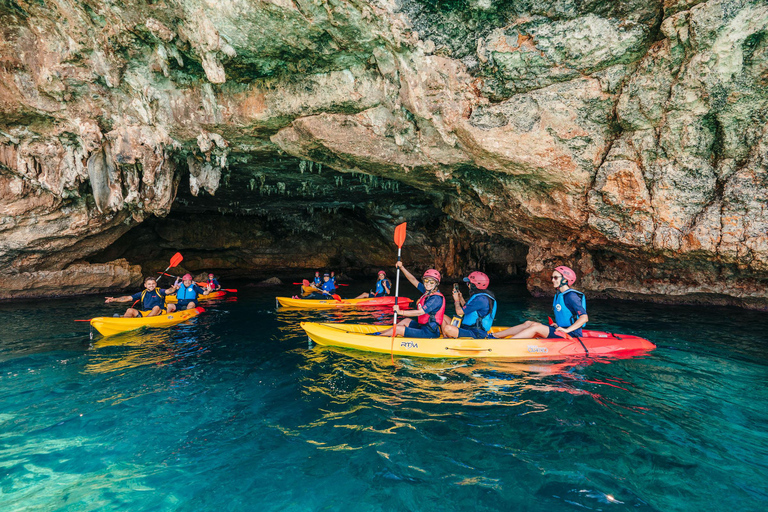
pixel 570 311
pixel 383 287
pixel 477 313
pixel 430 311
pixel 188 291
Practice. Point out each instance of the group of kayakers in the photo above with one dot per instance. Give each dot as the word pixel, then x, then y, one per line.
pixel 318 288
pixel 151 301
pixel 475 315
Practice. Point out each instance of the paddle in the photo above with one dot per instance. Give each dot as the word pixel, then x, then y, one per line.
pixel 399 240
pixel 175 260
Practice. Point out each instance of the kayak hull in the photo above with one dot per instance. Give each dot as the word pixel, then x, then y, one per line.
pixel 344 303
pixel 172 299
pixel 593 343
pixel 109 326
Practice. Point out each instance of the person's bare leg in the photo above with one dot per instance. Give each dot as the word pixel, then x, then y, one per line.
pixel 131 313
pixel 540 329
pixel 155 311
pixel 511 331
pixel 171 308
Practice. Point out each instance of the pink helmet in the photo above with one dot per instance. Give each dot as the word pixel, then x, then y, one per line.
pixel 187 276
pixel 434 274
pixel 382 273
pixel 567 273
pixel 478 279
pixel 305 282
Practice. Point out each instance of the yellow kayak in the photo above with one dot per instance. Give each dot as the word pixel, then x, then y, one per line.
pixel 354 336
pixel 172 299
pixel 109 325
pixel 374 302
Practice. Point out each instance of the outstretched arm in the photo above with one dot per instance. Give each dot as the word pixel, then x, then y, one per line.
pixel 124 298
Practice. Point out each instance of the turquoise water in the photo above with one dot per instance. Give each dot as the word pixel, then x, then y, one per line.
pixel 234 411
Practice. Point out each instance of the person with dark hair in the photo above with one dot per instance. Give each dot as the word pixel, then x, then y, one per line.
pixel 478 313
pixel 382 289
pixel 570 309
pixel 426 319
pixel 151 300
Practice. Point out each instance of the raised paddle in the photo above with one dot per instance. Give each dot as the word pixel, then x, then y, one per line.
pixel 175 260
pixel 399 241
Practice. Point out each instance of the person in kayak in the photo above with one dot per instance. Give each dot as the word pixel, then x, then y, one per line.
pixel 187 292
pixel 478 312
pixel 570 308
pixel 328 287
pixel 213 283
pixel 430 311
pixel 151 300
pixel 310 291
pixel 382 289
pixel 318 280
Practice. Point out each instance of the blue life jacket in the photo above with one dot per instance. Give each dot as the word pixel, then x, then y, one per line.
pixel 318 281
pixel 328 286
pixel 473 319
pixel 564 317
pixel 380 286
pixel 187 292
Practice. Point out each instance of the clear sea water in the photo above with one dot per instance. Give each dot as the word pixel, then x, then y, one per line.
pixel 235 411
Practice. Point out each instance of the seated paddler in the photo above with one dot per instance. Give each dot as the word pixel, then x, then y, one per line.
pixel 187 292
pixel 477 313
pixel 382 289
pixel 570 308
pixel 148 302
pixel 425 320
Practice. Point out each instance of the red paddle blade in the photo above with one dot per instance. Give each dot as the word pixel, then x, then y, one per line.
pixel 400 235
pixel 176 259
pixel 550 320
pixel 336 297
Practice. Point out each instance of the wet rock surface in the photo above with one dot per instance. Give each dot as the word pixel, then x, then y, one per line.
pixel 626 139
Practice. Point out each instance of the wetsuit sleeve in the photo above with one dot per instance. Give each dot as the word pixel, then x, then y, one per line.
pixel 136 296
pixel 197 289
pixel 480 304
pixel 433 304
pixel 421 288
pixel 573 302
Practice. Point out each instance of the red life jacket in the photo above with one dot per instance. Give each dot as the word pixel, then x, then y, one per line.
pixel 438 317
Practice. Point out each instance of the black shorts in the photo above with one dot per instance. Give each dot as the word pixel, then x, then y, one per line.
pixel 183 303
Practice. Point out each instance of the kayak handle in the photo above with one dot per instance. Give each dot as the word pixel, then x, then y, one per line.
pixel 470 349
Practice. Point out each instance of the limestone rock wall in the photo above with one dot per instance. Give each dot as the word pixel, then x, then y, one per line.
pixel 627 139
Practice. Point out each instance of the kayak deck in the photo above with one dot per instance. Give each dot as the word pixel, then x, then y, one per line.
pixel 109 326
pixel 343 303
pixel 354 336
pixel 172 299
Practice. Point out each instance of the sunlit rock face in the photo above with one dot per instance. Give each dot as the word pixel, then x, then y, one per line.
pixel 626 139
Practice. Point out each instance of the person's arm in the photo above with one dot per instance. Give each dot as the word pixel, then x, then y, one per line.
pixel 408 275
pixel 387 288
pixel 583 319
pixel 458 302
pixel 124 298
pixel 409 312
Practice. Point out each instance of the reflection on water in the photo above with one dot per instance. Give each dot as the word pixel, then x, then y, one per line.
pixel 235 408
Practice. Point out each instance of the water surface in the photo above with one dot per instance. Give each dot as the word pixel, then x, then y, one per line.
pixel 235 411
